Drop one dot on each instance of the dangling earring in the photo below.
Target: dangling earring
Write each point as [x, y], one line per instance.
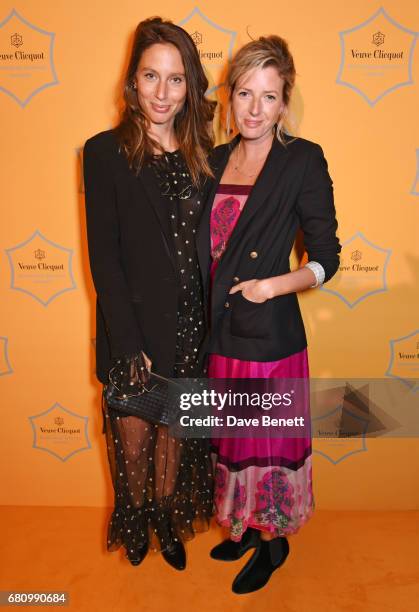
[228, 121]
[279, 125]
[277, 128]
[133, 85]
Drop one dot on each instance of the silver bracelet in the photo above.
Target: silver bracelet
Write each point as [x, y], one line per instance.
[318, 272]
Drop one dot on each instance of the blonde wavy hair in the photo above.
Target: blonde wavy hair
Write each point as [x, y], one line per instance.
[261, 53]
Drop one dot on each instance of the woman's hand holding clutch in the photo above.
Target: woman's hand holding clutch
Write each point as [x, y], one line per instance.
[130, 374]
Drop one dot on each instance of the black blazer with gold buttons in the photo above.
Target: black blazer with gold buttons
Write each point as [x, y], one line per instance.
[293, 190]
[131, 259]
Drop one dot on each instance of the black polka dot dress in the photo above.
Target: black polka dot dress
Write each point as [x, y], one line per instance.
[164, 485]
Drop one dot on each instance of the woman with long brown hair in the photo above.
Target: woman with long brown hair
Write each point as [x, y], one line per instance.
[143, 183]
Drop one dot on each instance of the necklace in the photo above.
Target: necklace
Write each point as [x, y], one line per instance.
[173, 175]
[236, 165]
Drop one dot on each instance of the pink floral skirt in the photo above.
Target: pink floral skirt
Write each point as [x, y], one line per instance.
[265, 483]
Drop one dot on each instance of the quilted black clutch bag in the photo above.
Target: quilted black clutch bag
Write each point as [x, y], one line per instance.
[155, 401]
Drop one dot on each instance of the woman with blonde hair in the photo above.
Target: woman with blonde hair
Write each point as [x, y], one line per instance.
[143, 183]
[267, 186]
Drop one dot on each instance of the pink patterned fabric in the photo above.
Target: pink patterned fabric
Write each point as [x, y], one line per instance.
[228, 204]
[261, 483]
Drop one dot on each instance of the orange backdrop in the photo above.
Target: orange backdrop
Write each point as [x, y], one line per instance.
[61, 66]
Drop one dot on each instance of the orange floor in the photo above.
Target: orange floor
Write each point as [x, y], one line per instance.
[340, 561]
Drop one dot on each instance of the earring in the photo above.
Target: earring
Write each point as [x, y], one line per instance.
[133, 85]
[279, 125]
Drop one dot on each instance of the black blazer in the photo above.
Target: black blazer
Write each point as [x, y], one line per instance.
[131, 259]
[293, 190]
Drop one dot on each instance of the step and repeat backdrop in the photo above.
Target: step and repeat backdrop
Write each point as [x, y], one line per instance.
[357, 94]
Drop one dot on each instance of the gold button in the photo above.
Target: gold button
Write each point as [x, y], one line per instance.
[253, 254]
[227, 304]
[236, 279]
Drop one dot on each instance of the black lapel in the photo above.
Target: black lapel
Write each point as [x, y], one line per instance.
[160, 205]
[268, 177]
[265, 183]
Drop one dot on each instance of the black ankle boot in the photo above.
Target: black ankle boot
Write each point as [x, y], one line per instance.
[135, 556]
[231, 551]
[172, 548]
[268, 557]
[175, 555]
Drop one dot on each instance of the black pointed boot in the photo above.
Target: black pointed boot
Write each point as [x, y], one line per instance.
[231, 551]
[172, 549]
[136, 556]
[268, 557]
[175, 554]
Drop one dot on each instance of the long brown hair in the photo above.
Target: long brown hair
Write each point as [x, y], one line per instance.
[265, 51]
[193, 124]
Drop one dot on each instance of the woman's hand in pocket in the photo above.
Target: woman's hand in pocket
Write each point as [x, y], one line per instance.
[254, 290]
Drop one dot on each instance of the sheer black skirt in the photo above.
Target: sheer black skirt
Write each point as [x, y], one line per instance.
[163, 485]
